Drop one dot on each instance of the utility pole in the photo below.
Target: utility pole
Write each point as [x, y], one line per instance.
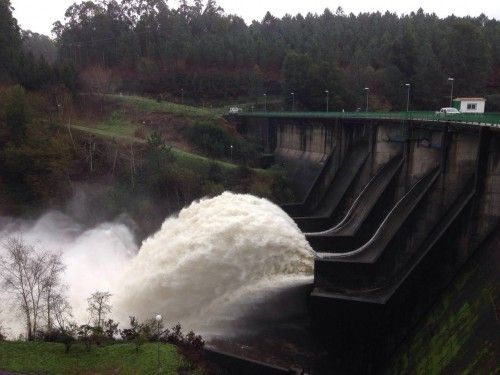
[367, 89]
[452, 80]
[327, 92]
[408, 97]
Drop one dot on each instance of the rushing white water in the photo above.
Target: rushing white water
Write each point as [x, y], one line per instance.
[94, 258]
[207, 267]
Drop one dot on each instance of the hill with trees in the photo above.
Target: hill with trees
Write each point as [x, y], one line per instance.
[198, 51]
[153, 48]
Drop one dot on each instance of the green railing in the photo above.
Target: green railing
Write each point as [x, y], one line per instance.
[489, 119]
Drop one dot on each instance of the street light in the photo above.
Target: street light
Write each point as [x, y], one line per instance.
[265, 102]
[231, 147]
[293, 102]
[327, 92]
[158, 319]
[452, 80]
[408, 97]
[367, 89]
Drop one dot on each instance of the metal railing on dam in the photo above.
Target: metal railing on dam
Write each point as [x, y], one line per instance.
[483, 119]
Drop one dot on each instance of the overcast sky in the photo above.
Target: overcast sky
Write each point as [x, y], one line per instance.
[39, 15]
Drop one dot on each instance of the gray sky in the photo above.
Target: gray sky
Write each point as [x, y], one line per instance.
[39, 15]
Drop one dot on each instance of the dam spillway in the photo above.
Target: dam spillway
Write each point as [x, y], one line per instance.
[393, 207]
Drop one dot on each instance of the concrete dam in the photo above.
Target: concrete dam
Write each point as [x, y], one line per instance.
[394, 209]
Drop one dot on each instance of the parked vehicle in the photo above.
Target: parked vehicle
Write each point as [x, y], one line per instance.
[448, 111]
[234, 110]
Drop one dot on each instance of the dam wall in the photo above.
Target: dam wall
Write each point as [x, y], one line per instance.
[394, 210]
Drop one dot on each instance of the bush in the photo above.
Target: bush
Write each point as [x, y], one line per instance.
[217, 142]
[211, 139]
[137, 333]
[63, 336]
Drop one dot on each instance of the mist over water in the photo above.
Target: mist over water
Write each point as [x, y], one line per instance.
[216, 262]
[94, 258]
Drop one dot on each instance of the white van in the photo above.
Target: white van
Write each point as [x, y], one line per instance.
[448, 111]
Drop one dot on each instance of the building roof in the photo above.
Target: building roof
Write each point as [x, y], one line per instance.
[477, 99]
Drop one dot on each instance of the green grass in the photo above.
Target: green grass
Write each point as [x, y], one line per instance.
[150, 105]
[50, 358]
[116, 125]
[106, 132]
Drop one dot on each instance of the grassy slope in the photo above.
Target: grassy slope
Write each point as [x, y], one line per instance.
[50, 358]
[184, 158]
[149, 105]
[121, 129]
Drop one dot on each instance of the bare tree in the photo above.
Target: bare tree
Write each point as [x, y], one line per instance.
[32, 276]
[99, 306]
[52, 285]
[61, 312]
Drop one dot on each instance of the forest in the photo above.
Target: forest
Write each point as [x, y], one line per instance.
[198, 52]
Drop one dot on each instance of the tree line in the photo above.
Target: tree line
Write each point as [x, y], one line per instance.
[198, 49]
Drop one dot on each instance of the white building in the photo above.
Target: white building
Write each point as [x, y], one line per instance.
[469, 105]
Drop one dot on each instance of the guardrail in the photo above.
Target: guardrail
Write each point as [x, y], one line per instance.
[486, 119]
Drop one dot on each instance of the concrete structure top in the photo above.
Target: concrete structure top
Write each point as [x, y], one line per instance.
[474, 119]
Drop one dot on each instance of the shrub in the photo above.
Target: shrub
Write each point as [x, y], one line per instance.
[211, 139]
[137, 333]
[65, 336]
[217, 141]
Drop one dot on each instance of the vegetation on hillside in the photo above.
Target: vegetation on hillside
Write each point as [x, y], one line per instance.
[148, 164]
[198, 51]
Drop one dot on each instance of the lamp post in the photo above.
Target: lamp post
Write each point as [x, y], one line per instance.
[293, 102]
[408, 97]
[367, 89]
[231, 147]
[452, 80]
[158, 319]
[265, 102]
[327, 92]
